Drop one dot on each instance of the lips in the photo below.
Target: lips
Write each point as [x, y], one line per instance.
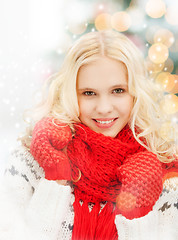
[104, 122]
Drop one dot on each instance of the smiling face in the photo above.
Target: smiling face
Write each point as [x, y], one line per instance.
[104, 101]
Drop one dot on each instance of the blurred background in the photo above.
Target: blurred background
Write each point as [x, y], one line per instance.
[35, 35]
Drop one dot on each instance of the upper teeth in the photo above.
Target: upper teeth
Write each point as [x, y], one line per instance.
[105, 122]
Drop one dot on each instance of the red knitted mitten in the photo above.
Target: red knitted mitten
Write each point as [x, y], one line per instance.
[141, 177]
[49, 137]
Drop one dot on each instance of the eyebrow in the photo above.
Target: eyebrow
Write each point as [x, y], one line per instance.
[120, 85]
[114, 86]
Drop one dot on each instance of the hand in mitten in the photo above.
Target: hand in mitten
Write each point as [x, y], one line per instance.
[141, 178]
[49, 138]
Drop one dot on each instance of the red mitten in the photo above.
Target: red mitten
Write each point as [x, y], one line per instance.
[141, 178]
[49, 137]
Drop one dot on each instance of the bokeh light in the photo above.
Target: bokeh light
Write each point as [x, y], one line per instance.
[168, 65]
[175, 88]
[155, 8]
[165, 81]
[174, 47]
[97, 9]
[171, 15]
[153, 67]
[77, 27]
[126, 201]
[103, 21]
[169, 104]
[174, 120]
[164, 36]
[121, 21]
[167, 131]
[158, 53]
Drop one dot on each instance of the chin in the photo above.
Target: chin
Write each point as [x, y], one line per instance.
[109, 134]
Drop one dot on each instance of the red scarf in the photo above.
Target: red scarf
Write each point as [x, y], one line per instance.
[116, 170]
[98, 157]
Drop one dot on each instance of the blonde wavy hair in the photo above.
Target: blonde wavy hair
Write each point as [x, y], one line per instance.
[61, 98]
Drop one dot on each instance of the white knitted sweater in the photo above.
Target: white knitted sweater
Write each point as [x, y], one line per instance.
[33, 208]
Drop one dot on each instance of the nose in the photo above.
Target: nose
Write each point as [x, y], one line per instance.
[104, 105]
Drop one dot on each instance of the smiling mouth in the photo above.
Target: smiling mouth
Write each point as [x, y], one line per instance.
[106, 121]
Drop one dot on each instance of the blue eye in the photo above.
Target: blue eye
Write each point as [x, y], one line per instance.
[88, 93]
[119, 90]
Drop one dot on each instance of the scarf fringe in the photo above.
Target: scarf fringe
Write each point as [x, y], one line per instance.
[94, 224]
[106, 228]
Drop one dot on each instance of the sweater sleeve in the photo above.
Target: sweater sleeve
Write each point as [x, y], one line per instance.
[159, 224]
[32, 207]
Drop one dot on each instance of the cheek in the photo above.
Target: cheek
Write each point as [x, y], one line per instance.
[126, 106]
[85, 108]
[130, 106]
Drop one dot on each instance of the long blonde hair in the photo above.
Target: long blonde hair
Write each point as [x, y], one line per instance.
[61, 100]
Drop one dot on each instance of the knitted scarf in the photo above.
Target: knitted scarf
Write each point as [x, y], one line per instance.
[110, 175]
[97, 157]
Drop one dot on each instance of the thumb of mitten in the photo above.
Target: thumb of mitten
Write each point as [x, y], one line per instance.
[49, 138]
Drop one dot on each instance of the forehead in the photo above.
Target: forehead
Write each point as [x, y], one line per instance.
[104, 70]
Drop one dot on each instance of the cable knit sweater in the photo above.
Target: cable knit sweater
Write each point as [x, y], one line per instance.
[32, 207]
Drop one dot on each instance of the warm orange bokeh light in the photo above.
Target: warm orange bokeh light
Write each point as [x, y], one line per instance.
[153, 67]
[168, 65]
[158, 53]
[103, 21]
[165, 81]
[167, 131]
[126, 201]
[155, 8]
[175, 88]
[121, 21]
[169, 104]
[164, 36]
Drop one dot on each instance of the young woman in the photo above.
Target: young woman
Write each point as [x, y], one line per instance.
[90, 166]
